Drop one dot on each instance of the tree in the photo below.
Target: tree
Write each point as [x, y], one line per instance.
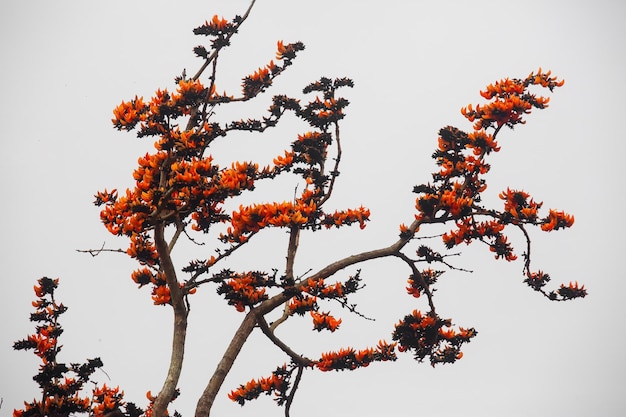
[181, 193]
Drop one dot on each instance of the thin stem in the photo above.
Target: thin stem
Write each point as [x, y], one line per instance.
[292, 394]
[335, 170]
[417, 274]
[96, 252]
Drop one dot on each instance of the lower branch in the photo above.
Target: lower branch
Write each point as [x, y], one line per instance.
[203, 408]
[168, 390]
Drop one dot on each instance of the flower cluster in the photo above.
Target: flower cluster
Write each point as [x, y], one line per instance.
[60, 394]
[277, 384]
[179, 185]
[324, 321]
[538, 280]
[510, 101]
[259, 80]
[160, 291]
[312, 289]
[518, 207]
[61, 384]
[573, 290]
[142, 249]
[430, 336]
[216, 27]
[300, 304]
[469, 230]
[456, 191]
[557, 220]
[245, 289]
[347, 217]
[250, 219]
[350, 359]
[106, 400]
[418, 285]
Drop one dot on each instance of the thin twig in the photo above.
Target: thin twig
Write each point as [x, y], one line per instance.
[96, 252]
[293, 390]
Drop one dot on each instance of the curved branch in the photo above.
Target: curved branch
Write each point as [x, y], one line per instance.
[329, 270]
[419, 276]
[299, 359]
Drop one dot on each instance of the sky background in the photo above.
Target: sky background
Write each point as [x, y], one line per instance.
[66, 65]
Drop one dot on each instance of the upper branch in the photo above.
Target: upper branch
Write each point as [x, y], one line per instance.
[215, 52]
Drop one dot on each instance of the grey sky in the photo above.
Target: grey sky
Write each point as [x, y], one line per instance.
[65, 66]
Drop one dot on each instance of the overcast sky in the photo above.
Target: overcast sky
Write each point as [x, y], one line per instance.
[66, 65]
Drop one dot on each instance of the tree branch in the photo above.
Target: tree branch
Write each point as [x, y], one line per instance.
[180, 324]
[216, 51]
[205, 402]
[417, 274]
[96, 252]
[253, 317]
[299, 359]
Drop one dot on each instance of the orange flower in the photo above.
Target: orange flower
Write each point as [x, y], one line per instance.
[557, 220]
[218, 23]
[127, 114]
[447, 334]
[161, 295]
[502, 248]
[281, 49]
[285, 161]
[324, 321]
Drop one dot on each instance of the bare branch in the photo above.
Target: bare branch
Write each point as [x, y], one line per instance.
[267, 331]
[96, 252]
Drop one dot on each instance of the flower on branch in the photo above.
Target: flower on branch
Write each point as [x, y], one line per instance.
[557, 220]
[517, 206]
[430, 336]
[571, 291]
[416, 284]
[276, 384]
[324, 321]
[245, 289]
[350, 359]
